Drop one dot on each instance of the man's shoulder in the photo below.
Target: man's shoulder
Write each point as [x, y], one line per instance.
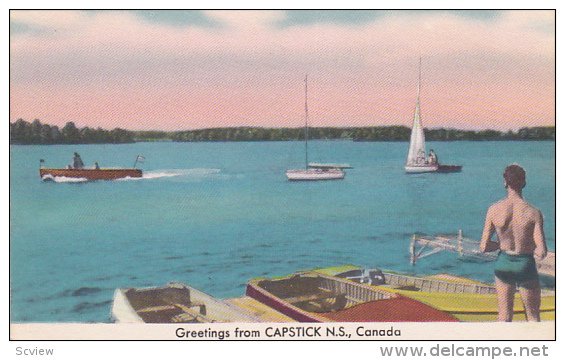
[497, 205]
[532, 209]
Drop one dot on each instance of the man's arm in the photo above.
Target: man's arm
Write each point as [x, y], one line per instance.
[539, 237]
[486, 244]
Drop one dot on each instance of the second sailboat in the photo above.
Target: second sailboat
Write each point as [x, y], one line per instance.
[312, 173]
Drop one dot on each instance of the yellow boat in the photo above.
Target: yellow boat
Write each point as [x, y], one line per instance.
[466, 299]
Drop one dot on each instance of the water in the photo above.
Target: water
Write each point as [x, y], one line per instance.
[214, 215]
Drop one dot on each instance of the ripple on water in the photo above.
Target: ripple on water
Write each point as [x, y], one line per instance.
[105, 278]
[87, 306]
[181, 271]
[387, 265]
[472, 260]
[444, 267]
[83, 291]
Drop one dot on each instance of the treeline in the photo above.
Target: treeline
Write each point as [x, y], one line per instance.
[388, 133]
[23, 132]
[528, 133]
[376, 133]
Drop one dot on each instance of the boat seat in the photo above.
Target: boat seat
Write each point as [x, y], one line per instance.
[313, 297]
[189, 314]
[324, 304]
[153, 309]
[190, 318]
[201, 307]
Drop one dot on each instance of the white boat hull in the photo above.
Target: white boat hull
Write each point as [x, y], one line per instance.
[328, 166]
[122, 312]
[215, 310]
[315, 174]
[414, 169]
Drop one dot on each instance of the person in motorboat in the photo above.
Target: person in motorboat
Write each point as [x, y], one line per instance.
[519, 228]
[96, 166]
[77, 162]
[432, 157]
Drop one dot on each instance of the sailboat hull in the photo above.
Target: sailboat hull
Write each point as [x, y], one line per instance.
[416, 169]
[449, 168]
[328, 166]
[315, 174]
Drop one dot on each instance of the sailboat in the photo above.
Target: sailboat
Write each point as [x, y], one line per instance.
[318, 171]
[417, 161]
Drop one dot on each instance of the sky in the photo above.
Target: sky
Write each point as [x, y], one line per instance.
[178, 70]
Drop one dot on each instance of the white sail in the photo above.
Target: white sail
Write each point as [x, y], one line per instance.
[417, 161]
[417, 150]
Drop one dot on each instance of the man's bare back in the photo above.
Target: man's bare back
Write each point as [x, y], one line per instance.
[518, 226]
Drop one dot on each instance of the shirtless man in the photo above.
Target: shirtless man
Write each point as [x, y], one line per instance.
[519, 228]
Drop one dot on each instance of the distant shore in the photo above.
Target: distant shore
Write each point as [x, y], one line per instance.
[23, 133]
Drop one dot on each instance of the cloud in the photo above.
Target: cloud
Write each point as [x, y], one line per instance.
[256, 32]
[49, 19]
[249, 19]
[250, 60]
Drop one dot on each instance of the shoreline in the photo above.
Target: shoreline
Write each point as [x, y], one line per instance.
[23, 132]
[293, 140]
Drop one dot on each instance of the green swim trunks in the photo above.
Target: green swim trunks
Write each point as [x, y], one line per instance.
[517, 270]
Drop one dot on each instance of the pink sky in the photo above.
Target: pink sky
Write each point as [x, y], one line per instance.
[114, 69]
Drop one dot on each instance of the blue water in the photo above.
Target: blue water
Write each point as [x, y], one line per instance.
[215, 215]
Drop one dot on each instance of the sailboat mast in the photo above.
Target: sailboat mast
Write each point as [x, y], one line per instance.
[306, 118]
[419, 79]
[417, 138]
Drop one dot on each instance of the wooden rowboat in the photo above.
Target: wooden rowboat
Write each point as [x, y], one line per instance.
[90, 174]
[466, 299]
[311, 297]
[173, 303]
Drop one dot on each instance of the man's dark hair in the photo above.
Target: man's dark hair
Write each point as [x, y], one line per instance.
[515, 177]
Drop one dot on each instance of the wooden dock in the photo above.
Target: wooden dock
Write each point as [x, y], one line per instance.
[423, 245]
